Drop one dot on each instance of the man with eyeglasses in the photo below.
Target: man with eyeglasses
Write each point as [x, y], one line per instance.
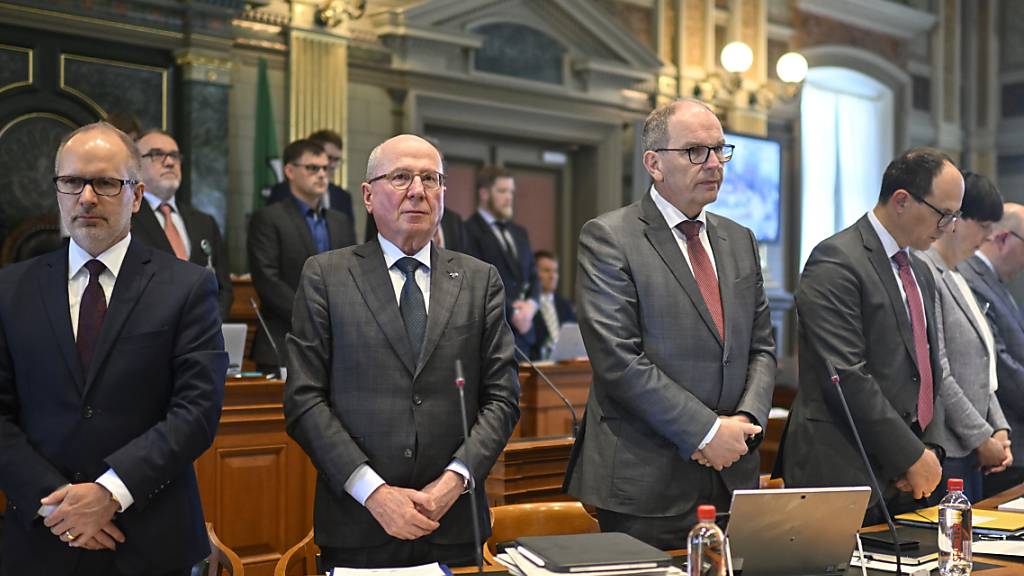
[336, 198]
[866, 306]
[112, 370]
[167, 225]
[672, 309]
[989, 271]
[282, 236]
[371, 393]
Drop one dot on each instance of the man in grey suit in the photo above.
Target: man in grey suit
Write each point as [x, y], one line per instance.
[673, 312]
[976, 434]
[376, 333]
[997, 262]
[868, 308]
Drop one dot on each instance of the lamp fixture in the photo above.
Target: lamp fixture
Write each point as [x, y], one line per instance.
[335, 12]
[736, 58]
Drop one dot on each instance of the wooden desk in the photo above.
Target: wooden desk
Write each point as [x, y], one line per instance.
[543, 413]
[530, 470]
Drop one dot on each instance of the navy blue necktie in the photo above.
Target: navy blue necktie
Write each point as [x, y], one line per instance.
[414, 310]
[90, 314]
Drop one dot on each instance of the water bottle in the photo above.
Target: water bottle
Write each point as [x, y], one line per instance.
[705, 546]
[955, 531]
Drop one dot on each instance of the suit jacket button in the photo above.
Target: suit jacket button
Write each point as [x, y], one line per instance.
[916, 379]
[416, 399]
[407, 453]
[87, 412]
[76, 477]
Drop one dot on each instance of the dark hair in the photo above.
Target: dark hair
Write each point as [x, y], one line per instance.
[914, 171]
[125, 122]
[487, 175]
[544, 254]
[982, 200]
[295, 150]
[326, 137]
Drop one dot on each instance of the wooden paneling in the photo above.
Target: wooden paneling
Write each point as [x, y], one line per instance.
[529, 471]
[543, 413]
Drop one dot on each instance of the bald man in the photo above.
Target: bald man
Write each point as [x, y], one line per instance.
[999, 260]
[376, 332]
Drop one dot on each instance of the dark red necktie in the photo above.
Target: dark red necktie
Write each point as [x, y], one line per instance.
[90, 314]
[925, 407]
[703, 273]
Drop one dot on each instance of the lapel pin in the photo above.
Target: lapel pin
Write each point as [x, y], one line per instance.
[453, 275]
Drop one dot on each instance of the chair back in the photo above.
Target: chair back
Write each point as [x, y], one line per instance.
[303, 558]
[536, 519]
[222, 560]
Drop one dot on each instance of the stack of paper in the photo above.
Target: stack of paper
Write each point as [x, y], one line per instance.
[434, 569]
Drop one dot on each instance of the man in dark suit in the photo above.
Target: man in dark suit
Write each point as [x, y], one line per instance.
[371, 395]
[449, 234]
[112, 371]
[553, 309]
[868, 307]
[493, 237]
[283, 236]
[674, 316]
[337, 198]
[179, 229]
[999, 260]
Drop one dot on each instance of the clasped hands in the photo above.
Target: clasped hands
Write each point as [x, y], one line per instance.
[522, 315]
[729, 443]
[84, 516]
[409, 514]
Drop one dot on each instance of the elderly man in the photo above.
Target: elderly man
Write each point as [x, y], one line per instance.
[867, 307]
[111, 381]
[999, 260]
[180, 229]
[376, 334]
[674, 316]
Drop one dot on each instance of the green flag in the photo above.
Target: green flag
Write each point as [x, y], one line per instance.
[264, 152]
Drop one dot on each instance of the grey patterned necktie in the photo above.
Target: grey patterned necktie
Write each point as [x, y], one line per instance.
[414, 310]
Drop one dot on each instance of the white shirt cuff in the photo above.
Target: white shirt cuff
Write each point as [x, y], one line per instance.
[111, 481]
[710, 435]
[362, 483]
[461, 469]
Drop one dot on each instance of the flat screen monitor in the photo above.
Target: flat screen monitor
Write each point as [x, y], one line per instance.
[751, 190]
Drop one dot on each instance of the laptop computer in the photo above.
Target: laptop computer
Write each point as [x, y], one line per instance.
[234, 344]
[569, 345]
[795, 531]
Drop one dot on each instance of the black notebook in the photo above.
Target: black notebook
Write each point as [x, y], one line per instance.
[592, 552]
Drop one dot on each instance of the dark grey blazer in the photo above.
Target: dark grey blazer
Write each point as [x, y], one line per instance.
[1008, 330]
[279, 244]
[851, 313]
[356, 393]
[972, 409]
[661, 373]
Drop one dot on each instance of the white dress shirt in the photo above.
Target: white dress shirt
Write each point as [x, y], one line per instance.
[504, 236]
[891, 248]
[78, 279]
[364, 480]
[673, 216]
[155, 202]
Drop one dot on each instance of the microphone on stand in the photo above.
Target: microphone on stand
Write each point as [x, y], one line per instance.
[204, 244]
[282, 372]
[460, 383]
[568, 405]
[834, 380]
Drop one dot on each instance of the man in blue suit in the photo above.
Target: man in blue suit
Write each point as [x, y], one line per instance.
[112, 371]
[553, 308]
[997, 262]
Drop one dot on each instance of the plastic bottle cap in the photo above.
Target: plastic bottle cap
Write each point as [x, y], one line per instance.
[706, 513]
[955, 485]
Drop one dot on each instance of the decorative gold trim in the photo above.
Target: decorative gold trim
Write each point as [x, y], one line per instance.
[90, 20]
[190, 59]
[49, 115]
[28, 82]
[99, 109]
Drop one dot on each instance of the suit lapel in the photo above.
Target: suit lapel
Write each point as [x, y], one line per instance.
[149, 227]
[334, 231]
[195, 236]
[726, 268]
[445, 284]
[664, 242]
[374, 283]
[299, 224]
[927, 289]
[961, 301]
[883, 267]
[135, 274]
[53, 284]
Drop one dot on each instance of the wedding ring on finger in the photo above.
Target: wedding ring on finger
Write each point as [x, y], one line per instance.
[71, 537]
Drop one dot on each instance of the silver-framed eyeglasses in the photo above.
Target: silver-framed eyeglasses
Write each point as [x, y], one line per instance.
[700, 154]
[401, 179]
[102, 186]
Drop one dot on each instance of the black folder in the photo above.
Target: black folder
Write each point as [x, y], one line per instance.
[593, 552]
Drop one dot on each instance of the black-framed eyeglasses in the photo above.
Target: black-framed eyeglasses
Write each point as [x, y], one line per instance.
[312, 169]
[401, 179]
[102, 186]
[945, 218]
[334, 160]
[700, 154]
[1019, 237]
[160, 156]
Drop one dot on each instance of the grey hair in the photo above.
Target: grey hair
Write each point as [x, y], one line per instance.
[134, 159]
[655, 134]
